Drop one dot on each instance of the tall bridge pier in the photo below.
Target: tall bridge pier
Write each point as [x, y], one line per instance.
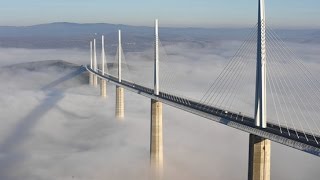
[103, 88]
[259, 158]
[119, 90]
[260, 148]
[119, 102]
[156, 136]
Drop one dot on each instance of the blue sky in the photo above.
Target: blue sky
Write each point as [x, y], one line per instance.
[178, 13]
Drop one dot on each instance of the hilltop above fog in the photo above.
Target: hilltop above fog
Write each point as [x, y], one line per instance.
[41, 66]
[42, 74]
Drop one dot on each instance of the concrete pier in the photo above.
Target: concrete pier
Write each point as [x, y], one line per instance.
[90, 78]
[95, 80]
[103, 88]
[156, 139]
[259, 158]
[119, 102]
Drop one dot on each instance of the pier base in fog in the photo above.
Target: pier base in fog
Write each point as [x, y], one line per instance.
[119, 102]
[91, 79]
[103, 88]
[95, 80]
[259, 158]
[156, 141]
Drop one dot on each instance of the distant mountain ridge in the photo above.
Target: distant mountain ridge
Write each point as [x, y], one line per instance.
[75, 35]
[63, 29]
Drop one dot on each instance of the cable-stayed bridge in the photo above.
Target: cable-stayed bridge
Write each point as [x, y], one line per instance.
[288, 136]
[282, 83]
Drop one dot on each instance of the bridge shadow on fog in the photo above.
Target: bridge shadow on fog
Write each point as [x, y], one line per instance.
[22, 129]
[9, 154]
[64, 78]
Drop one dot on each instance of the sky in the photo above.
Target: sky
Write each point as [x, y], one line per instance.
[173, 13]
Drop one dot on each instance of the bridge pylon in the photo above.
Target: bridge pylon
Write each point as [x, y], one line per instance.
[156, 136]
[95, 68]
[91, 64]
[119, 90]
[260, 148]
[103, 82]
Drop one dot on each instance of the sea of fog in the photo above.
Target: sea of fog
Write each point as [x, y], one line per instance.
[67, 131]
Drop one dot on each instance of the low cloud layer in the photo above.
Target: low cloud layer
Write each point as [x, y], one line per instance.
[69, 132]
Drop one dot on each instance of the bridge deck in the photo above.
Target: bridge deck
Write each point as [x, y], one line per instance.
[296, 139]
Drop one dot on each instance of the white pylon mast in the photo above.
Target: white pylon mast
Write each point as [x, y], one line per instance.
[156, 59]
[102, 55]
[119, 56]
[261, 96]
[94, 55]
[91, 59]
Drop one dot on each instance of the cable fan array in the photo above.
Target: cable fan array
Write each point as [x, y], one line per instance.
[292, 91]
[293, 95]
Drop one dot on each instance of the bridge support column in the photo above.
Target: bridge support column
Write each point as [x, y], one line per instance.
[259, 158]
[90, 78]
[119, 102]
[103, 88]
[156, 141]
[95, 80]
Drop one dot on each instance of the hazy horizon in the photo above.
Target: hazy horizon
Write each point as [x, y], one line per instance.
[203, 13]
[150, 25]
